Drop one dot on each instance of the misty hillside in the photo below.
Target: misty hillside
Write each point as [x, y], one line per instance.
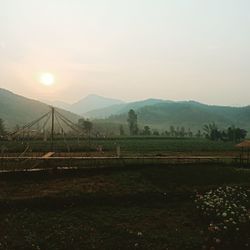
[92, 102]
[159, 114]
[188, 114]
[121, 108]
[16, 109]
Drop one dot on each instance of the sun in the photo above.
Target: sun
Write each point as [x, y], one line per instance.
[47, 79]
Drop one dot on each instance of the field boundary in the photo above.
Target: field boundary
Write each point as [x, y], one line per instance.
[44, 163]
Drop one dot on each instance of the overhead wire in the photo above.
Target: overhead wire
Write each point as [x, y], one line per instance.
[69, 123]
[61, 127]
[29, 125]
[80, 129]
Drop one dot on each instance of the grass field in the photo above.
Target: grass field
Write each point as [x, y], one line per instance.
[140, 208]
[130, 145]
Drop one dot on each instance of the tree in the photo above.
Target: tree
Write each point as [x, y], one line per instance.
[86, 125]
[2, 127]
[172, 131]
[230, 134]
[212, 132]
[236, 134]
[198, 134]
[132, 122]
[121, 129]
[182, 132]
[167, 133]
[146, 130]
[177, 132]
[190, 133]
[156, 133]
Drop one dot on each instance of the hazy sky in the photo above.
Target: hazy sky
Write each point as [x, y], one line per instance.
[127, 49]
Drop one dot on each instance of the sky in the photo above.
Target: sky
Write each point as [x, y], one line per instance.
[130, 50]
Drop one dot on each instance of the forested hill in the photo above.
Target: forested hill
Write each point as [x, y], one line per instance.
[19, 110]
[189, 114]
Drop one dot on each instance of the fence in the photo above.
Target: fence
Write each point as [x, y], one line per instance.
[13, 163]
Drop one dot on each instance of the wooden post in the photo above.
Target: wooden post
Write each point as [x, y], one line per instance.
[247, 156]
[118, 151]
[52, 127]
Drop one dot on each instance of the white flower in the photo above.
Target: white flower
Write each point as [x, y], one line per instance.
[218, 241]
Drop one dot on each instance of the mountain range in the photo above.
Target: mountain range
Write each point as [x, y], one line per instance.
[189, 114]
[157, 113]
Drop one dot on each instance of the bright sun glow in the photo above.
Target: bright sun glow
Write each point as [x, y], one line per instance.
[47, 79]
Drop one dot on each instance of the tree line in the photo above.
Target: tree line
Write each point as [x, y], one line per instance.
[147, 131]
[232, 133]
[210, 131]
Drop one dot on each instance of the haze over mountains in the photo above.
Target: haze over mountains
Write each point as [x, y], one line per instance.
[157, 113]
[86, 104]
[189, 114]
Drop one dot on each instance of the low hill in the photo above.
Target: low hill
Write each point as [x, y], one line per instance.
[19, 110]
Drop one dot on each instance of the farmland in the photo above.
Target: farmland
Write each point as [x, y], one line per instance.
[129, 145]
[133, 207]
[139, 208]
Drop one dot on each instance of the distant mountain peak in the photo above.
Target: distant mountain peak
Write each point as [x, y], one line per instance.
[92, 102]
[95, 96]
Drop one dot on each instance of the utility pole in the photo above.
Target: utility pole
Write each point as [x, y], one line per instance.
[52, 128]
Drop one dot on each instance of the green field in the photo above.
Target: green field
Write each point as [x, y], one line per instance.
[129, 145]
[111, 209]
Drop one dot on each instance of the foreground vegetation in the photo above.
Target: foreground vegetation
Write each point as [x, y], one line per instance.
[129, 145]
[136, 208]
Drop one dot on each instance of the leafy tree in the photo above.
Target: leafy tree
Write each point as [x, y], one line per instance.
[132, 122]
[146, 130]
[177, 132]
[167, 133]
[172, 131]
[236, 134]
[182, 132]
[230, 134]
[156, 133]
[212, 132]
[2, 127]
[198, 134]
[86, 125]
[190, 133]
[121, 129]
